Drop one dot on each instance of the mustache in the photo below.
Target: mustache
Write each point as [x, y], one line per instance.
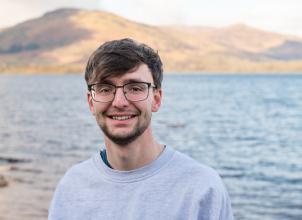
[126, 112]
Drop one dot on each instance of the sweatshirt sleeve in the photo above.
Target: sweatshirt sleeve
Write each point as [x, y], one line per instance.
[215, 205]
[56, 210]
[63, 199]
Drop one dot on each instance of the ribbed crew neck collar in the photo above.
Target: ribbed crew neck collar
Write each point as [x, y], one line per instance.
[136, 174]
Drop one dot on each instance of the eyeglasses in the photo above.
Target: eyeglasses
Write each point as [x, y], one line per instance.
[134, 91]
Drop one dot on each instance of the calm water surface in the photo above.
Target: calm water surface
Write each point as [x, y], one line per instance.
[249, 128]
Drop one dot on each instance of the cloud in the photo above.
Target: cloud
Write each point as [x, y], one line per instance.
[13, 11]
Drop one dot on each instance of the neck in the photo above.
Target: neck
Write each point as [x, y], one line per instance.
[136, 154]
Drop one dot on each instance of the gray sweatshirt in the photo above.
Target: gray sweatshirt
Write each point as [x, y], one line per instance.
[173, 186]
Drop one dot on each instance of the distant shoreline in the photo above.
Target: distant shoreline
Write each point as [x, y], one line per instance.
[62, 40]
[56, 70]
[25, 72]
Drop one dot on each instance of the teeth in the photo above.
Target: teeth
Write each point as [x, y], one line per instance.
[120, 118]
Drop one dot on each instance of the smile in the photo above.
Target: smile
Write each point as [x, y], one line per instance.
[122, 118]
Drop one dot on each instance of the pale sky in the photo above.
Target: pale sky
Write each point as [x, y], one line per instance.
[283, 16]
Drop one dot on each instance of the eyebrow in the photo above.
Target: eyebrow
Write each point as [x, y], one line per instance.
[107, 81]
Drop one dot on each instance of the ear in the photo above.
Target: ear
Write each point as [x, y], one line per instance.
[157, 97]
[90, 103]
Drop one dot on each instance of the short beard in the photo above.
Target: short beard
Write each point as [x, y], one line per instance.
[125, 140]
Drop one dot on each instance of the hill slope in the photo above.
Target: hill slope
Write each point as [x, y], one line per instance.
[62, 41]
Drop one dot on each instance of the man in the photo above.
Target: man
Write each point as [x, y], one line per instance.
[134, 177]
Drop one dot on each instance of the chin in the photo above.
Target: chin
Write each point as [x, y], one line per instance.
[124, 138]
[122, 141]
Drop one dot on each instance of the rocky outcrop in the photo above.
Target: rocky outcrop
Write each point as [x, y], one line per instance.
[3, 181]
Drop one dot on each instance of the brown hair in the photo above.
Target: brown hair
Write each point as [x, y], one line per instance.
[117, 57]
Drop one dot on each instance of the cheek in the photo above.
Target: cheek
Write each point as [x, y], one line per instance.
[99, 109]
[149, 106]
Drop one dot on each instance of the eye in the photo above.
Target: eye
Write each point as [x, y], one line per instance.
[136, 88]
[104, 89]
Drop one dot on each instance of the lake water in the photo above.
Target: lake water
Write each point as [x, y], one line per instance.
[249, 128]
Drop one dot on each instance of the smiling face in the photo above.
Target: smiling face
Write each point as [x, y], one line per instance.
[123, 121]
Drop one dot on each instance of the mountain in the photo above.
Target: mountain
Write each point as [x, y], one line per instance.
[62, 40]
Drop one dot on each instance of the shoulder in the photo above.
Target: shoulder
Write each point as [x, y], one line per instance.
[192, 166]
[77, 177]
[203, 183]
[78, 173]
[195, 173]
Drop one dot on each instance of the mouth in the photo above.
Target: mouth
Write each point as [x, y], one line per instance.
[121, 117]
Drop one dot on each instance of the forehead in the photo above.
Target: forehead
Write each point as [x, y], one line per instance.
[141, 73]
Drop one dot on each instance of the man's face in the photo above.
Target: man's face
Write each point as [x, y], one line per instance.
[123, 121]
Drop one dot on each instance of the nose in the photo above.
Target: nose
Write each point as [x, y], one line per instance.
[120, 99]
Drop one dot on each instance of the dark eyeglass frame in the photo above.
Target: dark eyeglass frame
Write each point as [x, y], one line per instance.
[90, 88]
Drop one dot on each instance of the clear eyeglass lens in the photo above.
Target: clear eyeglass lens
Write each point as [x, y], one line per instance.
[132, 91]
[105, 90]
[136, 91]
